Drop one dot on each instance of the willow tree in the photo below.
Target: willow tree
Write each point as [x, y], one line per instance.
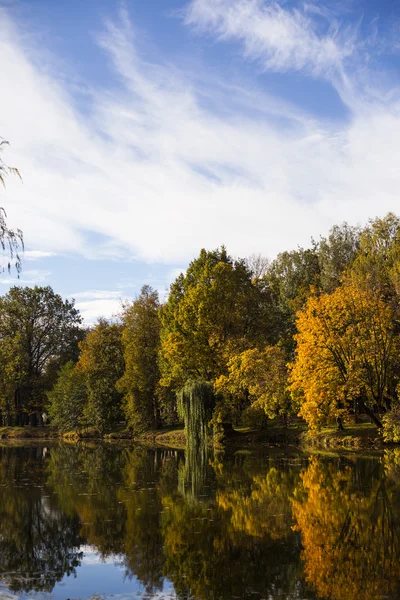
[196, 401]
[11, 240]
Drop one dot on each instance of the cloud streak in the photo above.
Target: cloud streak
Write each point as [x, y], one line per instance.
[156, 173]
[281, 39]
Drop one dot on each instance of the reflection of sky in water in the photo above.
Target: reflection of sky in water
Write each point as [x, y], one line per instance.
[96, 577]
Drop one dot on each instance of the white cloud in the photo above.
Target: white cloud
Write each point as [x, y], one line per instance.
[159, 176]
[36, 254]
[280, 38]
[28, 277]
[93, 304]
[91, 310]
[97, 295]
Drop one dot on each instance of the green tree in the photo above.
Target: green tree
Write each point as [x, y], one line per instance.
[290, 279]
[377, 265]
[102, 365]
[37, 327]
[68, 398]
[261, 377]
[213, 312]
[336, 254]
[141, 341]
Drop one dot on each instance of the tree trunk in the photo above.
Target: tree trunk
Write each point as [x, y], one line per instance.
[371, 414]
[356, 419]
[339, 423]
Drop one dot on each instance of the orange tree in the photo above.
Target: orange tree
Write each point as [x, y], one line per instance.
[346, 351]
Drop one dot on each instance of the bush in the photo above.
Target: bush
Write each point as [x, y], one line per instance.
[391, 425]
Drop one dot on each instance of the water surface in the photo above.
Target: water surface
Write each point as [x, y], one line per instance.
[79, 522]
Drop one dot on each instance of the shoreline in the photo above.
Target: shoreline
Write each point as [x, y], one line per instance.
[355, 437]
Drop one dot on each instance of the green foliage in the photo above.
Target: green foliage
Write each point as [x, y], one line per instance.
[336, 254]
[196, 401]
[213, 311]
[68, 398]
[141, 340]
[38, 328]
[102, 365]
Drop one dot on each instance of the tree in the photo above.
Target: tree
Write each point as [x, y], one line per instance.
[261, 377]
[336, 254]
[213, 311]
[258, 265]
[378, 262]
[68, 399]
[346, 352]
[102, 365]
[11, 240]
[141, 341]
[37, 327]
[291, 278]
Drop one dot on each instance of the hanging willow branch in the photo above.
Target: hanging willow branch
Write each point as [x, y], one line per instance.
[196, 401]
[11, 240]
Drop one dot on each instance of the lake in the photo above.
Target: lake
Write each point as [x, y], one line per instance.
[101, 521]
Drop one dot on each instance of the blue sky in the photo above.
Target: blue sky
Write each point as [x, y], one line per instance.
[147, 129]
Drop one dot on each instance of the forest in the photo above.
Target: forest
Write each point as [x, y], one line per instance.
[313, 333]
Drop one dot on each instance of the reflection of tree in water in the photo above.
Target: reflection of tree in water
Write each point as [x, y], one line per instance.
[195, 404]
[350, 535]
[39, 544]
[208, 557]
[234, 529]
[143, 540]
[193, 471]
[86, 480]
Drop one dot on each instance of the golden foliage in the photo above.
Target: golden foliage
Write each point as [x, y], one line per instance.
[350, 538]
[345, 348]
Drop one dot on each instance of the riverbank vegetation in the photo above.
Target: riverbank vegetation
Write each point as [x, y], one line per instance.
[314, 333]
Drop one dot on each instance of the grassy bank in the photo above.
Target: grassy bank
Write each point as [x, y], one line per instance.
[354, 437]
[359, 436]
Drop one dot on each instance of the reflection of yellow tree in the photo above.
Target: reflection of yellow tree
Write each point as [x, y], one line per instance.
[266, 510]
[351, 545]
[213, 550]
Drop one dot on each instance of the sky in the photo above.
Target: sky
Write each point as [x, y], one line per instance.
[145, 130]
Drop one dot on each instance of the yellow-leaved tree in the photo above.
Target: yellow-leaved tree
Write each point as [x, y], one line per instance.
[259, 377]
[346, 354]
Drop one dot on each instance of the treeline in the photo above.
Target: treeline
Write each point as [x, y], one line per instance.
[314, 332]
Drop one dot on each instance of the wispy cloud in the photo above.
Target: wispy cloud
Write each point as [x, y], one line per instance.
[160, 173]
[281, 39]
[37, 254]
